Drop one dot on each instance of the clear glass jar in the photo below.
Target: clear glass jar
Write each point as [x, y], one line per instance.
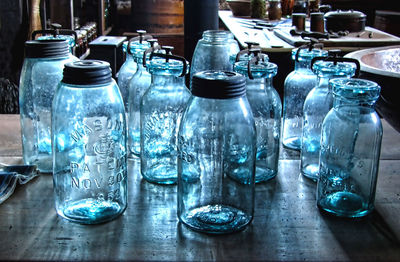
[317, 104]
[138, 85]
[266, 106]
[161, 110]
[129, 67]
[217, 150]
[41, 72]
[296, 87]
[213, 52]
[350, 148]
[89, 144]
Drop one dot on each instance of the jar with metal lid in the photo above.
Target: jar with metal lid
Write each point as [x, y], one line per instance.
[318, 103]
[350, 148]
[138, 85]
[217, 150]
[89, 144]
[41, 72]
[129, 67]
[246, 54]
[213, 52]
[266, 106]
[56, 32]
[161, 109]
[297, 85]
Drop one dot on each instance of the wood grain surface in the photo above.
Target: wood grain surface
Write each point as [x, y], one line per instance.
[287, 224]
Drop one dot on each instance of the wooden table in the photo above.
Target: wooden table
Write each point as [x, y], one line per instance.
[287, 224]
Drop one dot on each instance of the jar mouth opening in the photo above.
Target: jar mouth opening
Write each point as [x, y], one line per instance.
[355, 89]
[324, 68]
[260, 70]
[217, 35]
[306, 55]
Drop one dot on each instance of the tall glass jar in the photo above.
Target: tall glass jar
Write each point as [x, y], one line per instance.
[266, 106]
[217, 150]
[89, 144]
[296, 87]
[317, 104]
[129, 67]
[350, 148]
[213, 52]
[161, 110]
[138, 85]
[41, 72]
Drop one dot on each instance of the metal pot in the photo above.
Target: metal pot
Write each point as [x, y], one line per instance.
[352, 21]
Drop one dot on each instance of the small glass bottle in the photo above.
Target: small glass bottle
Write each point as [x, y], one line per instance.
[213, 52]
[129, 67]
[296, 87]
[89, 144]
[41, 72]
[317, 104]
[266, 106]
[161, 110]
[217, 150]
[350, 148]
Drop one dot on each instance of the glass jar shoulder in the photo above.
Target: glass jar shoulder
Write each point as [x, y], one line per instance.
[170, 96]
[205, 115]
[318, 100]
[74, 98]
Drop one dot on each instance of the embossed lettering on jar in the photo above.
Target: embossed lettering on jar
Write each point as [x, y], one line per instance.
[350, 148]
[161, 110]
[89, 144]
[296, 87]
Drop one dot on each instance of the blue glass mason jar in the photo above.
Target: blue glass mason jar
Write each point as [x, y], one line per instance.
[217, 152]
[89, 144]
[317, 104]
[161, 110]
[41, 72]
[296, 87]
[138, 85]
[129, 67]
[350, 149]
[266, 106]
[213, 52]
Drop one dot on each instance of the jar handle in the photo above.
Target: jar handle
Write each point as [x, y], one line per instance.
[171, 56]
[334, 57]
[314, 43]
[55, 32]
[142, 36]
[150, 50]
[258, 56]
[247, 50]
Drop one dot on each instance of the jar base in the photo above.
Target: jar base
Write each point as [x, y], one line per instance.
[264, 174]
[91, 211]
[293, 143]
[161, 174]
[344, 204]
[311, 171]
[216, 219]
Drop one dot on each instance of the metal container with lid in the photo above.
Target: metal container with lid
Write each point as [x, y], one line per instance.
[352, 21]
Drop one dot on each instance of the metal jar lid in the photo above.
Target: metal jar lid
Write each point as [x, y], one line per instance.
[218, 84]
[87, 72]
[46, 48]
